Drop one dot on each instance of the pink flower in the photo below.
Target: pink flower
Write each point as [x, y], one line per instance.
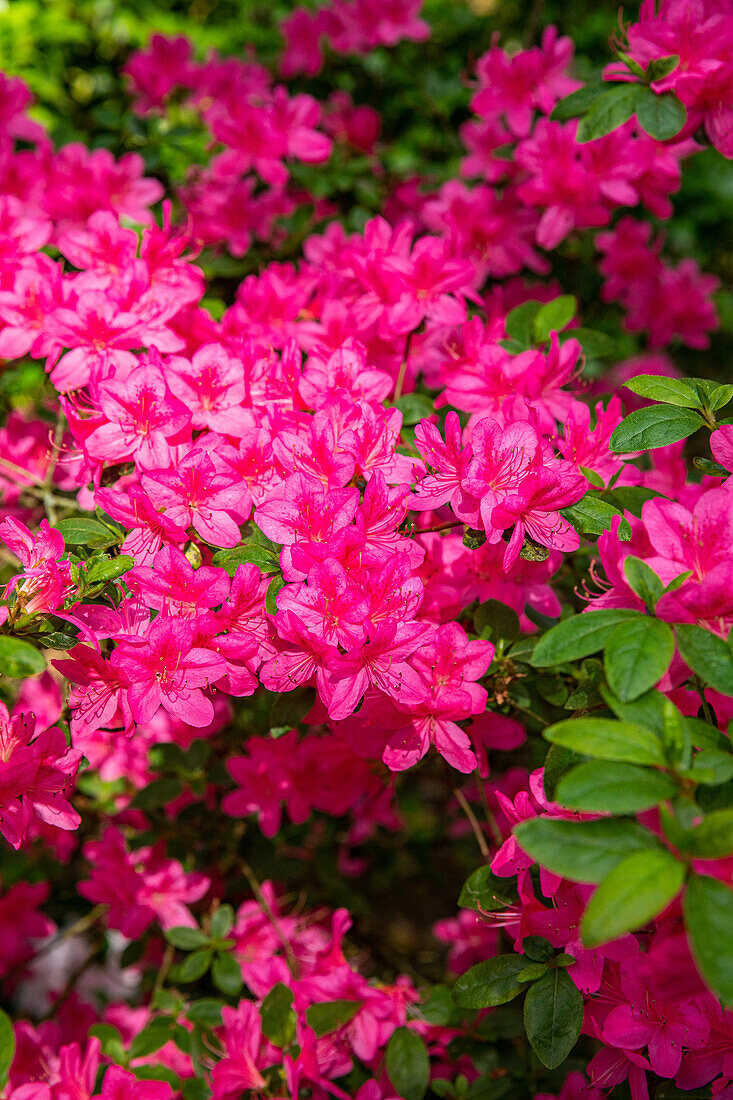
[237, 1071]
[35, 776]
[46, 579]
[195, 495]
[165, 669]
[381, 662]
[211, 385]
[143, 419]
[141, 886]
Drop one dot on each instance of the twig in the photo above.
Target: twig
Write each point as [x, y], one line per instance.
[257, 891]
[490, 818]
[438, 527]
[477, 831]
[164, 968]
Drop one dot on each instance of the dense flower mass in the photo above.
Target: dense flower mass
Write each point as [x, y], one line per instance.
[304, 566]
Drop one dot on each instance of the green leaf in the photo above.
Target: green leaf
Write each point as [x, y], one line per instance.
[654, 426]
[502, 621]
[532, 972]
[537, 948]
[206, 1011]
[582, 851]
[290, 707]
[157, 794]
[707, 655]
[662, 66]
[670, 391]
[279, 1022]
[273, 588]
[599, 787]
[492, 982]
[226, 973]
[708, 909]
[415, 407]
[610, 110]
[716, 765]
[407, 1064]
[553, 1017]
[608, 740]
[662, 116]
[195, 1088]
[19, 659]
[643, 580]
[706, 466]
[592, 516]
[558, 762]
[596, 345]
[151, 1038]
[578, 102]
[328, 1016]
[579, 636]
[636, 657]
[7, 1047]
[80, 531]
[250, 554]
[111, 1041]
[110, 569]
[485, 892]
[554, 316]
[187, 939]
[222, 922]
[713, 837]
[632, 498]
[195, 966]
[637, 890]
[520, 322]
[720, 397]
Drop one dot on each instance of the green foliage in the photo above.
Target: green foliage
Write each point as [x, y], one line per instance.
[407, 1064]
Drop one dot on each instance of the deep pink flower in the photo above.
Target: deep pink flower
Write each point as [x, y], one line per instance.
[164, 668]
[195, 495]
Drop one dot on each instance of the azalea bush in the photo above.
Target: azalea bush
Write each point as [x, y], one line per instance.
[367, 552]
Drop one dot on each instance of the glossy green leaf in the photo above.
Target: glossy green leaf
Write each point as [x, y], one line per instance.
[279, 1022]
[226, 973]
[600, 786]
[592, 516]
[670, 391]
[583, 851]
[708, 909]
[611, 109]
[19, 659]
[637, 655]
[713, 837]
[484, 891]
[579, 636]
[7, 1047]
[662, 116]
[328, 1016]
[637, 890]
[608, 739]
[187, 939]
[554, 316]
[553, 1017]
[81, 531]
[492, 982]
[654, 426]
[407, 1064]
[707, 655]
[109, 570]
